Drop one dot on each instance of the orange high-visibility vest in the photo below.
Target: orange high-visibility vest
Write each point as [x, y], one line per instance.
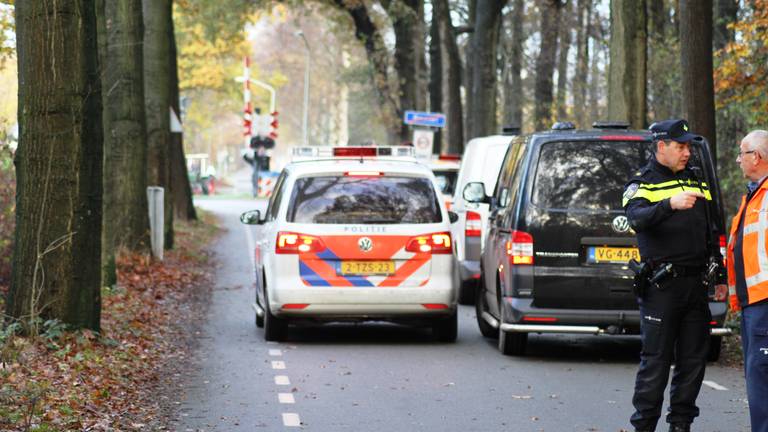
[754, 248]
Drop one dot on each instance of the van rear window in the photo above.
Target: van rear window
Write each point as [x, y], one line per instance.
[588, 175]
[364, 200]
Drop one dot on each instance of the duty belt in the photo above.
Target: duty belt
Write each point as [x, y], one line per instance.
[683, 270]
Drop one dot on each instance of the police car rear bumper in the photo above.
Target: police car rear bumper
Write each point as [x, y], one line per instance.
[430, 300]
[524, 318]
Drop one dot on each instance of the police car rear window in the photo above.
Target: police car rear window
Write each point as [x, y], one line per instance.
[586, 175]
[361, 200]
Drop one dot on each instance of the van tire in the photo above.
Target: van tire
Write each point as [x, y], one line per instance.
[480, 306]
[467, 291]
[446, 329]
[715, 346]
[274, 327]
[511, 343]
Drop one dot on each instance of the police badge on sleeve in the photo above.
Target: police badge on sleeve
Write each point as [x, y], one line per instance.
[631, 190]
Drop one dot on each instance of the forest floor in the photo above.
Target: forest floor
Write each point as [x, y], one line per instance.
[123, 377]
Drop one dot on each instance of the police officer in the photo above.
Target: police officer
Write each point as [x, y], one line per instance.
[666, 205]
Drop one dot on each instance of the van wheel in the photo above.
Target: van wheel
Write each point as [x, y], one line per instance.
[715, 346]
[466, 288]
[480, 306]
[446, 329]
[274, 327]
[511, 343]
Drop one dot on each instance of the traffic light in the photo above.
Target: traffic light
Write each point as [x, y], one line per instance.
[273, 123]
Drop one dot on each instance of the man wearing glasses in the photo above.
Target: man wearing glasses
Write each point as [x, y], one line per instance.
[748, 273]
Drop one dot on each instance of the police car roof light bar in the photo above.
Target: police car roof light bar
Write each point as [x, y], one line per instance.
[352, 152]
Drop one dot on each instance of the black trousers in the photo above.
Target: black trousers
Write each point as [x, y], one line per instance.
[674, 321]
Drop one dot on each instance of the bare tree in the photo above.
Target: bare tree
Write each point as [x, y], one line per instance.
[513, 82]
[564, 46]
[183, 206]
[545, 63]
[580, 83]
[454, 130]
[157, 92]
[696, 60]
[482, 117]
[57, 258]
[125, 221]
[627, 74]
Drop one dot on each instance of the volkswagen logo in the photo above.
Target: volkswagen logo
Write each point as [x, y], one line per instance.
[620, 224]
[365, 244]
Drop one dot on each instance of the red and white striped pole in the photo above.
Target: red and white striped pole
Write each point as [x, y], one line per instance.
[248, 111]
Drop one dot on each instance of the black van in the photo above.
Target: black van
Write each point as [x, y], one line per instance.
[558, 242]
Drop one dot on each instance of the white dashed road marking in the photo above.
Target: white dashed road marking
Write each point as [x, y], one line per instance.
[282, 380]
[291, 419]
[275, 352]
[286, 398]
[714, 385]
[277, 364]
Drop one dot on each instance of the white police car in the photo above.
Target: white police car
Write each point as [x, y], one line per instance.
[354, 234]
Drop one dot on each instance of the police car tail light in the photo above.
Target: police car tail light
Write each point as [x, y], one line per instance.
[520, 248]
[294, 243]
[437, 243]
[473, 226]
[354, 151]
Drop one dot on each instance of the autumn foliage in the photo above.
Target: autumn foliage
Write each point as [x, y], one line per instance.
[110, 381]
[743, 72]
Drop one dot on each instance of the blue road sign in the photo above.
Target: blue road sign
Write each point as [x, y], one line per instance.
[420, 118]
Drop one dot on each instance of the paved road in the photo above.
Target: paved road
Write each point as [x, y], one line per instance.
[390, 378]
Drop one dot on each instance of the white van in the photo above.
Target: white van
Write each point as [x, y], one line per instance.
[481, 163]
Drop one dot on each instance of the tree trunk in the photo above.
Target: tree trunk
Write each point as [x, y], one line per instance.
[696, 62]
[545, 63]
[485, 42]
[564, 45]
[157, 76]
[184, 208]
[657, 18]
[126, 223]
[57, 258]
[728, 120]
[627, 72]
[435, 71]
[454, 129]
[367, 33]
[513, 92]
[583, 30]
[470, 60]
[407, 23]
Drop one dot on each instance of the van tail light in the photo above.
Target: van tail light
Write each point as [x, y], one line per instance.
[520, 248]
[294, 243]
[437, 243]
[473, 226]
[723, 245]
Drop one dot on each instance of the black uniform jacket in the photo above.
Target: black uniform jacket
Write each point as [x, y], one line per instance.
[665, 235]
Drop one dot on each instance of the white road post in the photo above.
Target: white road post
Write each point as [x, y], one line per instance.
[155, 196]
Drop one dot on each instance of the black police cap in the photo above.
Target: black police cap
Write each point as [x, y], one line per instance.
[675, 130]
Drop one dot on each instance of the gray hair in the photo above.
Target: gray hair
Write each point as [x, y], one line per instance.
[758, 140]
